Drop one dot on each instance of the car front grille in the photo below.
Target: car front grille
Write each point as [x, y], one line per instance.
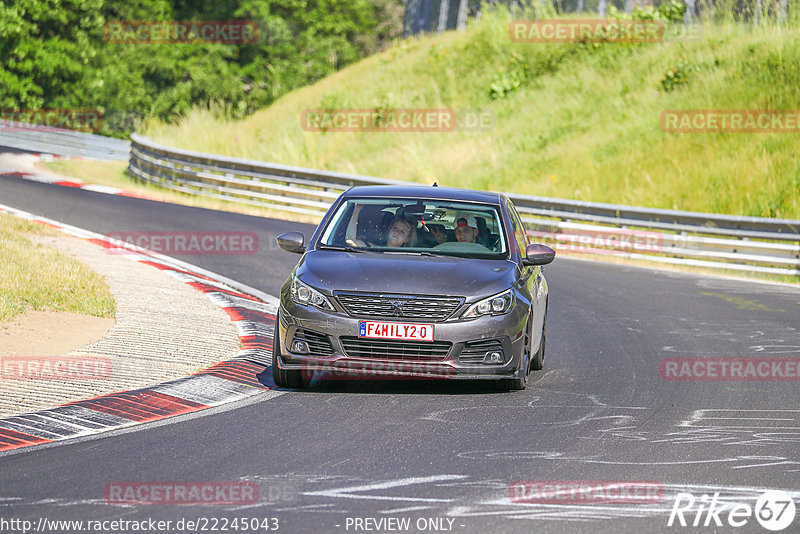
[417, 351]
[318, 344]
[474, 351]
[398, 306]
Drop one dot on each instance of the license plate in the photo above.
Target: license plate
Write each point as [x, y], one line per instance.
[381, 330]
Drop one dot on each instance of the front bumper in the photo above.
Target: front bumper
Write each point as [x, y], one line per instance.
[296, 322]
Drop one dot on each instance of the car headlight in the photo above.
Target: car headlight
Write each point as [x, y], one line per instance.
[305, 295]
[494, 305]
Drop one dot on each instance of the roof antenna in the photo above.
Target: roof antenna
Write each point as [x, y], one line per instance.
[435, 184]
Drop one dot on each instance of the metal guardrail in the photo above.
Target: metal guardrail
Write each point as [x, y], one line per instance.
[755, 244]
[58, 141]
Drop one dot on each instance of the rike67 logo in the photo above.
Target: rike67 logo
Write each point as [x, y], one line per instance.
[774, 510]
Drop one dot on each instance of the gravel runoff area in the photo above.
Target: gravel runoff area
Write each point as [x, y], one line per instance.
[164, 329]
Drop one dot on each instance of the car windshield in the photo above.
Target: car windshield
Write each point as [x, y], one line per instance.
[417, 226]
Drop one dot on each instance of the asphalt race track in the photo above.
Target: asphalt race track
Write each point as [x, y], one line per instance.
[443, 455]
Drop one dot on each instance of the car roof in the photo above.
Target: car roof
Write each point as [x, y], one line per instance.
[421, 191]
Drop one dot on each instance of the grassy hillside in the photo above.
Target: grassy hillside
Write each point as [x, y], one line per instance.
[579, 121]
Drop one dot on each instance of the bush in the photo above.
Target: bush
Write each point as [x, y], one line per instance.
[53, 55]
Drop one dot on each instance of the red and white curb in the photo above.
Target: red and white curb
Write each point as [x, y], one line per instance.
[243, 376]
[49, 157]
[72, 182]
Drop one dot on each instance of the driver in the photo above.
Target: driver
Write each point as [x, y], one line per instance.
[466, 228]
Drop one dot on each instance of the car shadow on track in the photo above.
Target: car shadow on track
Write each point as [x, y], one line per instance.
[371, 385]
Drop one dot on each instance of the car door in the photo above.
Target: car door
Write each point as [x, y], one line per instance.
[531, 277]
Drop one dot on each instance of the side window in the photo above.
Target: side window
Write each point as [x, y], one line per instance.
[520, 236]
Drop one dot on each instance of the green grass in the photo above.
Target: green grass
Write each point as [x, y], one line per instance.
[37, 277]
[582, 124]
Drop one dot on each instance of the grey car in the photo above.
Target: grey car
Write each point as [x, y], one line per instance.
[413, 282]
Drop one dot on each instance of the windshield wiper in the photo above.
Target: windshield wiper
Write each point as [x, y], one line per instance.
[421, 253]
[348, 249]
[343, 249]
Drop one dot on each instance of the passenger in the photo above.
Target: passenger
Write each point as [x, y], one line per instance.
[399, 233]
[466, 228]
[483, 232]
[438, 231]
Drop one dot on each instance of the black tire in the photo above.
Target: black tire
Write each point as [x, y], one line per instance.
[537, 362]
[284, 378]
[518, 384]
[514, 384]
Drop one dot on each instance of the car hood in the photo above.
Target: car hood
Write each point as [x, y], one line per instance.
[331, 271]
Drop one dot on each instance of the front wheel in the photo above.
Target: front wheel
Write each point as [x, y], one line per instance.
[284, 378]
[537, 362]
[514, 384]
[518, 384]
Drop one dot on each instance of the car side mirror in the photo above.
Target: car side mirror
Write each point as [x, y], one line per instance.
[292, 242]
[537, 254]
